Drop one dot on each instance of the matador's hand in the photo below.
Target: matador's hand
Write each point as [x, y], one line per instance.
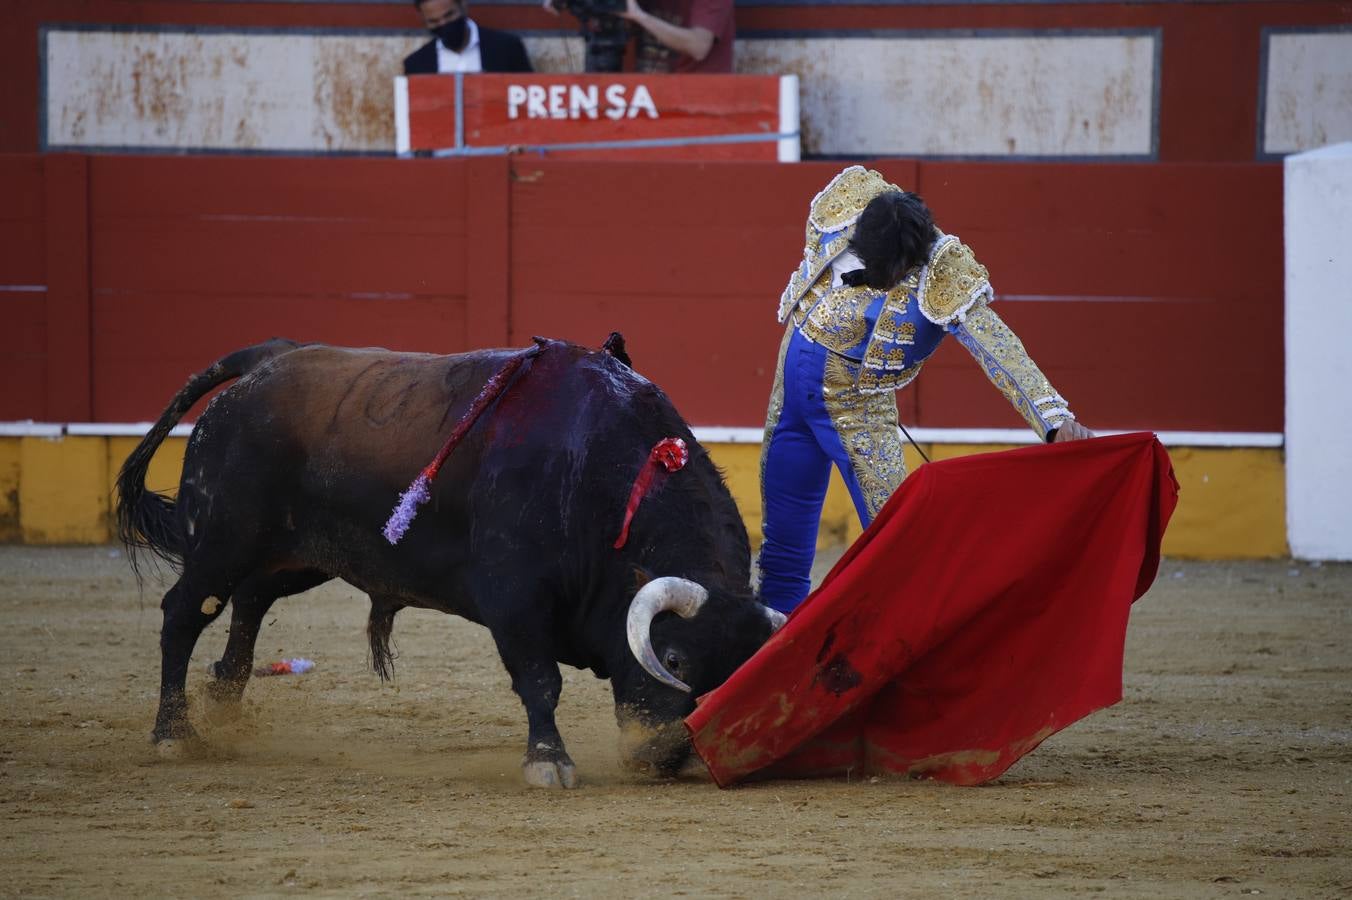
[1071, 430]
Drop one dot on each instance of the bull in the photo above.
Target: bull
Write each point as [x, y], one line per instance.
[291, 470]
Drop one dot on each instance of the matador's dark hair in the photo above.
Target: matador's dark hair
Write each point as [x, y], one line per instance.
[893, 236]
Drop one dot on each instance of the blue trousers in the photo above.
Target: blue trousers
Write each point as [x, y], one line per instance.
[816, 419]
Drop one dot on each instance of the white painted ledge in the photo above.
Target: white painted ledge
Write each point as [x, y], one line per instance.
[30, 429]
[720, 435]
[85, 429]
[714, 434]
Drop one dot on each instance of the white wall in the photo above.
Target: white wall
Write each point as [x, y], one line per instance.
[1318, 214]
[917, 93]
[221, 90]
[995, 93]
[1002, 95]
[1308, 90]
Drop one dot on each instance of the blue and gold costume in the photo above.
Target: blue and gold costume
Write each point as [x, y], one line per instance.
[846, 350]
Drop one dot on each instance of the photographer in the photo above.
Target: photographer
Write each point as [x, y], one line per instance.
[692, 37]
[682, 36]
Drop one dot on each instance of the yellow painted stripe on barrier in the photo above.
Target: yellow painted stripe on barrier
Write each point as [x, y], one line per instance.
[10, 467]
[1232, 506]
[63, 490]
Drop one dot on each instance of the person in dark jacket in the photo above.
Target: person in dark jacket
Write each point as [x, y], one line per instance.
[462, 45]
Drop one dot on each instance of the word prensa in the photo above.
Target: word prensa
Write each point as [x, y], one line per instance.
[578, 101]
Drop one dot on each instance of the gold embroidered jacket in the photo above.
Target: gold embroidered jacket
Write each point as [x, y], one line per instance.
[890, 334]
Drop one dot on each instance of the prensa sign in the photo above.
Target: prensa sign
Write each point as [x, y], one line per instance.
[745, 117]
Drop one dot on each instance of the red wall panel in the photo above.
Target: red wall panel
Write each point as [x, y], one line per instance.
[305, 226]
[23, 280]
[1150, 294]
[23, 296]
[21, 219]
[688, 260]
[1133, 286]
[147, 346]
[194, 257]
[23, 356]
[66, 224]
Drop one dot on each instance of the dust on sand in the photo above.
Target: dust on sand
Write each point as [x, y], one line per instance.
[1225, 770]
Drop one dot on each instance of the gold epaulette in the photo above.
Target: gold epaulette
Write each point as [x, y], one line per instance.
[844, 198]
[951, 282]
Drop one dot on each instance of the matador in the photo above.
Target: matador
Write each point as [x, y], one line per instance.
[878, 288]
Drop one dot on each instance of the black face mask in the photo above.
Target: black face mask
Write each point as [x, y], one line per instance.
[452, 34]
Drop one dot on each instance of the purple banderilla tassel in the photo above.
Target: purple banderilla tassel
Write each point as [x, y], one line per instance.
[419, 492]
[409, 501]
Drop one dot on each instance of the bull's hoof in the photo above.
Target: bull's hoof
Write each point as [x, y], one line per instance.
[550, 774]
[174, 737]
[549, 767]
[176, 748]
[223, 691]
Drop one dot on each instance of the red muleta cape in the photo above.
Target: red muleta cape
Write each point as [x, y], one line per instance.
[984, 610]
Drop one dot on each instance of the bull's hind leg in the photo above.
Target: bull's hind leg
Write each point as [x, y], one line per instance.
[188, 609]
[248, 605]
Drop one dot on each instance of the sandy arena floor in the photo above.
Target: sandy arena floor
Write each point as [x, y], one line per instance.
[1225, 771]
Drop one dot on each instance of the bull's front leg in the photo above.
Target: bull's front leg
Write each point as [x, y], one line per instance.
[536, 680]
[517, 610]
[538, 683]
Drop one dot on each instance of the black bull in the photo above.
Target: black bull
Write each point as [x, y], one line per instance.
[291, 472]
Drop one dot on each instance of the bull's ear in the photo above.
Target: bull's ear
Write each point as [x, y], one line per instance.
[641, 577]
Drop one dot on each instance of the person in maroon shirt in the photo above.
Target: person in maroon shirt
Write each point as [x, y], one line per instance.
[683, 36]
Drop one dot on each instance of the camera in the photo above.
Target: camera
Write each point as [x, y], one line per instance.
[604, 33]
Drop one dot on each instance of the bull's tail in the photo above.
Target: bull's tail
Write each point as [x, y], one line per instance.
[145, 519]
[378, 628]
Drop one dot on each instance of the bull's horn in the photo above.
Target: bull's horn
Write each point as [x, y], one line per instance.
[777, 618]
[678, 595]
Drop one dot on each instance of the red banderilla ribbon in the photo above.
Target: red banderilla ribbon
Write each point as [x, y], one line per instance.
[419, 492]
[667, 455]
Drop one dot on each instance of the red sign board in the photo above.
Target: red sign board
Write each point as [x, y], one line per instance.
[745, 117]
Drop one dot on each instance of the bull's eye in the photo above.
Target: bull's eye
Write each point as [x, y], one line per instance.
[673, 661]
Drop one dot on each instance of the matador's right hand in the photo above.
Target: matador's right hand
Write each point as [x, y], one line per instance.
[1070, 430]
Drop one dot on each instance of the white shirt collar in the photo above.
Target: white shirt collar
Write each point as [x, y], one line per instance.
[845, 262]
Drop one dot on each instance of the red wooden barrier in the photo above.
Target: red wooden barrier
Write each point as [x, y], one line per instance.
[1131, 285]
[23, 293]
[687, 260]
[1151, 295]
[68, 309]
[193, 257]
